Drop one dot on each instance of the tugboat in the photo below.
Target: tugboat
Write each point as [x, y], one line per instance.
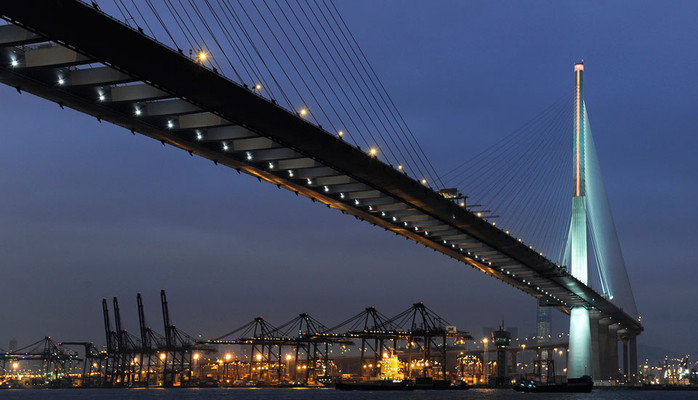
[573, 385]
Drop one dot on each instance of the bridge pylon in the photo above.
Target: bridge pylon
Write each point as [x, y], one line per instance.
[580, 360]
[593, 342]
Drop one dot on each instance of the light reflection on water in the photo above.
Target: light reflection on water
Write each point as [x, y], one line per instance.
[330, 394]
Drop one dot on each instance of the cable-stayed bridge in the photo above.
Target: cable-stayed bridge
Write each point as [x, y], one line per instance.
[298, 133]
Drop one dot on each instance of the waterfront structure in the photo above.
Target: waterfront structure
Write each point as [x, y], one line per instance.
[501, 339]
[543, 324]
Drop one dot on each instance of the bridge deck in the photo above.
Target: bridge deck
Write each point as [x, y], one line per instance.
[148, 88]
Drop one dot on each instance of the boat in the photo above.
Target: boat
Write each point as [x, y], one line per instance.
[573, 385]
[418, 384]
[437, 384]
[375, 385]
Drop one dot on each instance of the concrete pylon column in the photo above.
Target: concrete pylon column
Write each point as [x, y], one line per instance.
[632, 356]
[594, 317]
[579, 356]
[613, 351]
[624, 339]
[604, 372]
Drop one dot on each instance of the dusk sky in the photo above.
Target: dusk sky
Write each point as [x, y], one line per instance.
[89, 211]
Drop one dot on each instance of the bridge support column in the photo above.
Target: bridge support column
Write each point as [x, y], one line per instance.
[594, 317]
[624, 339]
[579, 358]
[613, 351]
[604, 352]
[632, 356]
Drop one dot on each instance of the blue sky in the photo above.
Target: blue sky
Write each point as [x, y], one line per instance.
[90, 211]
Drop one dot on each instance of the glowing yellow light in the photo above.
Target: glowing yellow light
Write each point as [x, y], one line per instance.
[227, 357]
[399, 167]
[15, 365]
[196, 356]
[479, 214]
[304, 112]
[258, 86]
[424, 181]
[201, 56]
[340, 133]
[484, 340]
[288, 357]
[258, 357]
[373, 151]
[163, 356]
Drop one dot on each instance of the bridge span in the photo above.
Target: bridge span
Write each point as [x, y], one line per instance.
[67, 53]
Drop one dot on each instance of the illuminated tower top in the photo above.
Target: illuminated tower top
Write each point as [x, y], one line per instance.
[579, 130]
[578, 227]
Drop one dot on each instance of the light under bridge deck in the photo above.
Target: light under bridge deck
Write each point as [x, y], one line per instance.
[67, 53]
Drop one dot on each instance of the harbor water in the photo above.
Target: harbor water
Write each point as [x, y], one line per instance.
[331, 394]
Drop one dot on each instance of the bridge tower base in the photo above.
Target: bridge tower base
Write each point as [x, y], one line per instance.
[579, 359]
